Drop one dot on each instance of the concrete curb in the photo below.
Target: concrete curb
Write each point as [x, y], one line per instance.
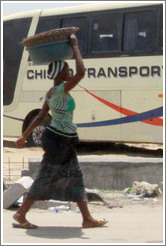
[111, 173]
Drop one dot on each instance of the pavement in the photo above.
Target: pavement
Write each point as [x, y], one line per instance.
[133, 223]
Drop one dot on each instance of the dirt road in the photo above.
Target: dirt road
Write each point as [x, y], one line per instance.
[136, 223]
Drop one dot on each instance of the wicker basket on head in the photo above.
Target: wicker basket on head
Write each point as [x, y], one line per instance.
[50, 36]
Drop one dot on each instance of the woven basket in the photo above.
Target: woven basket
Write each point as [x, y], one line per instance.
[50, 36]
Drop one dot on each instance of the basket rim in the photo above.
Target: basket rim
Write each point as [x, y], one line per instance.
[49, 33]
[47, 44]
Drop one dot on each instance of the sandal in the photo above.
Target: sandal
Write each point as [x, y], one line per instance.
[99, 223]
[25, 225]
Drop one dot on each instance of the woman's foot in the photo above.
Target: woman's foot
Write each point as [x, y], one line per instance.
[22, 222]
[93, 223]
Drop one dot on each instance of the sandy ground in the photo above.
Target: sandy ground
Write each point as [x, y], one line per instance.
[129, 221]
[134, 223]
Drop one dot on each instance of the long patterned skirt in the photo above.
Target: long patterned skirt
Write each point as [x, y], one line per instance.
[60, 177]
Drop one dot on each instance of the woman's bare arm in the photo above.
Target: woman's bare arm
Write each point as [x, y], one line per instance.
[80, 70]
[36, 122]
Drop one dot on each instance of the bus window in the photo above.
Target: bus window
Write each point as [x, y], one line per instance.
[106, 33]
[161, 31]
[139, 31]
[48, 23]
[13, 33]
[82, 34]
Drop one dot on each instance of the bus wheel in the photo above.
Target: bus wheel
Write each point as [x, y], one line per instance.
[37, 134]
[34, 138]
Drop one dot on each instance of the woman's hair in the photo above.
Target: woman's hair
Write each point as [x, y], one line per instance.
[55, 68]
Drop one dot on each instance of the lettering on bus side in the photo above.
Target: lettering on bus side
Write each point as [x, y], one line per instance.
[40, 74]
[116, 72]
[36, 74]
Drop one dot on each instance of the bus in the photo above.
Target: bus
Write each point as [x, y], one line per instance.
[120, 98]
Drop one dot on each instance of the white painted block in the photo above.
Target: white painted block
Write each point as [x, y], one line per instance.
[15, 191]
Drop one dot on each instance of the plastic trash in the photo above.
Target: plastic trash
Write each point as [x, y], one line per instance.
[155, 200]
[58, 209]
[127, 190]
[131, 195]
[136, 196]
[20, 201]
[142, 195]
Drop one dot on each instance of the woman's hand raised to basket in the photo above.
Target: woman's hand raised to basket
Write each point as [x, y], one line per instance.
[80, 70]
[74, 40]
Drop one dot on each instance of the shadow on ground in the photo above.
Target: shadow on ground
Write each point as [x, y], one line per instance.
[56, 232]
[101, 148]
[115, 148]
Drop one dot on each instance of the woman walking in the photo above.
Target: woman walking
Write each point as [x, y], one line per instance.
[60, 177]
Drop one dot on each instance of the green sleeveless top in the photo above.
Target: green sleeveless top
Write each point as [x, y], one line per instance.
[62, 106]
